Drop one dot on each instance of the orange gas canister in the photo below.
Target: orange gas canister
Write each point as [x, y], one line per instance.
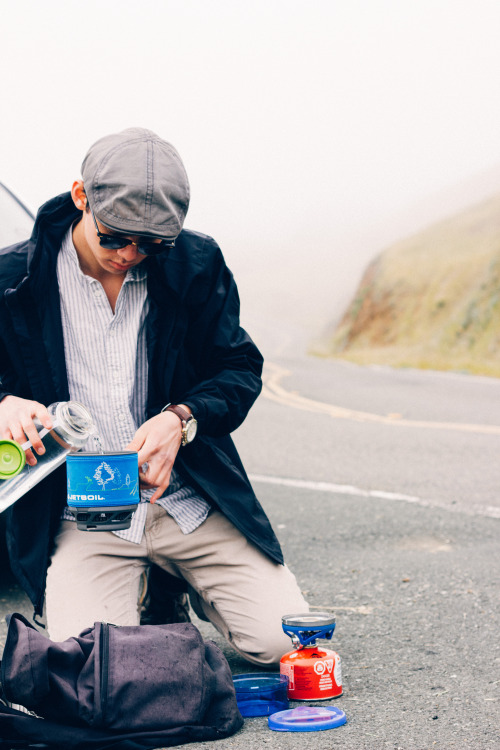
[313, 673]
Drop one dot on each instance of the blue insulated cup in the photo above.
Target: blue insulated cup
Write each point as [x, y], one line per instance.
[103, 489]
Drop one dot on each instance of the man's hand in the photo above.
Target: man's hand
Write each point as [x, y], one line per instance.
[157, 441]
[16, 423]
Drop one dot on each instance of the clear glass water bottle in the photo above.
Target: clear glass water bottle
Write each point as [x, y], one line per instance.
[73, 425]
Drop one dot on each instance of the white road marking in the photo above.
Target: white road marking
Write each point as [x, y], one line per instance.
[346, 489]
[273, 390]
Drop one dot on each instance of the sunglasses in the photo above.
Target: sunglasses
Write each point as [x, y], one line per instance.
[118, 242]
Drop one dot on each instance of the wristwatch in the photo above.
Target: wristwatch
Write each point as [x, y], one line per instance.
[189, 423]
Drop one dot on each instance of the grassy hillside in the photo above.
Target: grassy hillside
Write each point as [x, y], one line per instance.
[431, 301]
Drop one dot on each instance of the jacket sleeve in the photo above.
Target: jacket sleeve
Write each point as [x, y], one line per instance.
[5, 364]
[229, 365]
[13, 268]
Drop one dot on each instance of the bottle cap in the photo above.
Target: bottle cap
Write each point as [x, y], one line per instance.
[307, 719]
[12, 459]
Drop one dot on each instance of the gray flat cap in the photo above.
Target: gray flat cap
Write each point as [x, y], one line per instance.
[136, 184]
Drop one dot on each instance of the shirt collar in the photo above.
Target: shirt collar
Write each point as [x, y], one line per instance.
[136, 273]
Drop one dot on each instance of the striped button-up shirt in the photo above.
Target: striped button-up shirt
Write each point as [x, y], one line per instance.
[107, 366]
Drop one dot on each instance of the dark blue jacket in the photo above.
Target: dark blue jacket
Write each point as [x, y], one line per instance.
[197, 353]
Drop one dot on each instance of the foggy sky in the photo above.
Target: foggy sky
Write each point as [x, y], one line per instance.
[313, 132]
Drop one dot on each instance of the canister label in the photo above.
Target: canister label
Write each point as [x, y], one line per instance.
[102, 479]
[314, 674]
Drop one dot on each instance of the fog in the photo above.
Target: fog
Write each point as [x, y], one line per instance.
[314, 133]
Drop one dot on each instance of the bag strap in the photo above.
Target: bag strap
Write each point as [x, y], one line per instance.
[20, 731]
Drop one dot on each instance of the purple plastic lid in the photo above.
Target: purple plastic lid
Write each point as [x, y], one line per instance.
[307, 719]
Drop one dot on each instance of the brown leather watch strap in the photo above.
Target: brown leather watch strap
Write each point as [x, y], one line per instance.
[183, 415]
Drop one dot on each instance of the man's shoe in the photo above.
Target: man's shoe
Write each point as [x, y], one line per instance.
[164, 599]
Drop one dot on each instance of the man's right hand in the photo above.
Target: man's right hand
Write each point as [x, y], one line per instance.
[16, 423]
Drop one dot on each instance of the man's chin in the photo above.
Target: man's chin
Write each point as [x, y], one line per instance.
[121, 267]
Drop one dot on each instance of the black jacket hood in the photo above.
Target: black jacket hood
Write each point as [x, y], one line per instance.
[53, 218]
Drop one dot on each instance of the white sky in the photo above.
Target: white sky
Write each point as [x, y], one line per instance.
[313, 131]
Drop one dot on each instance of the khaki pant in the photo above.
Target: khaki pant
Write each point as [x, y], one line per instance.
[96, 576]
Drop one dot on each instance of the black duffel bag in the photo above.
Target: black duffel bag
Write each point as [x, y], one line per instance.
[123, 688]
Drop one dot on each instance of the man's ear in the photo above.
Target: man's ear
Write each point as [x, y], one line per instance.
[78, 195]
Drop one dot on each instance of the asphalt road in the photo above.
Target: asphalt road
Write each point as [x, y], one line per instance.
[383, 488]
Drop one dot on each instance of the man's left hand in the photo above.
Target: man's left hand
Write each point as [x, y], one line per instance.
[157, 442]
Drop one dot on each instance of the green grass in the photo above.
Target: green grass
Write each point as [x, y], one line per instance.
[431, 301]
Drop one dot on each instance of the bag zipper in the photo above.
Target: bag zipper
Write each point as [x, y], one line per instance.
[103, 664]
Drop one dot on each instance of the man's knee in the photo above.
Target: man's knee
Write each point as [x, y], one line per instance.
[268, 651]
[265, 642]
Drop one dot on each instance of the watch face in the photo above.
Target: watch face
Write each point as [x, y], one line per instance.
[191, 429]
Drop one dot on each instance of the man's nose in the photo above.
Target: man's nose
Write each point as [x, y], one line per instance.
[129, 252]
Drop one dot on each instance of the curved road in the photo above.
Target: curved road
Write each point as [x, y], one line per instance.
[383, 487]
[420, 436]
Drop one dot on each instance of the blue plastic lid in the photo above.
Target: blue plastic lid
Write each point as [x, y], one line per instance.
[307, 719]
[261, 694]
